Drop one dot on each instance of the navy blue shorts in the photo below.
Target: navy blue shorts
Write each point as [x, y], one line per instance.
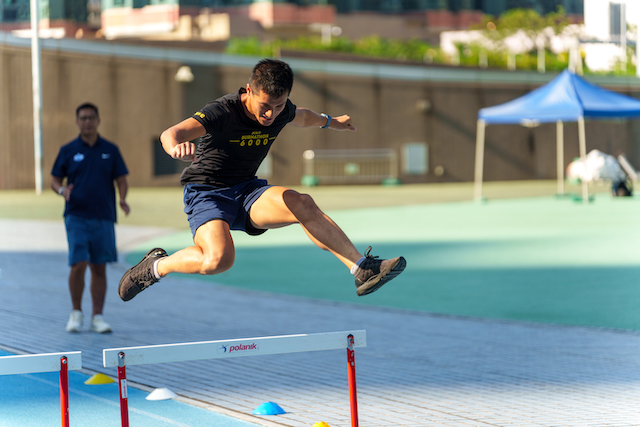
[204, 203]
[92, 240]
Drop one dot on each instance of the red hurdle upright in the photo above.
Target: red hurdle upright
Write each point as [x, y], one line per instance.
[49, 362]
[64, 391]
[124, 395]
[351, 371]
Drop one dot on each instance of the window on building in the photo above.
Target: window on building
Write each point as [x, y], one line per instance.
[163, 164]
[617, 21]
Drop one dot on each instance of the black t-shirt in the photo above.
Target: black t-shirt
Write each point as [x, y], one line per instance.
[234, 146]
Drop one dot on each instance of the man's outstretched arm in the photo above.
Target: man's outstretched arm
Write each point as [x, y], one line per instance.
[306, 118]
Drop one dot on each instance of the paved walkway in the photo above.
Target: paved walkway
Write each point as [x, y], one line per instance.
[417, 369]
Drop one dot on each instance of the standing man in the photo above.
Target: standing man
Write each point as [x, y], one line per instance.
[91, 164]
[222, 192]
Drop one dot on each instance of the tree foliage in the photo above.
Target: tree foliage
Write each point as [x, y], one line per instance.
[528, 21]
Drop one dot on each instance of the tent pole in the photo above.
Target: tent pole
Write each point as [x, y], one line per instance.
[477, 188]
[583, 157]
[560, 155]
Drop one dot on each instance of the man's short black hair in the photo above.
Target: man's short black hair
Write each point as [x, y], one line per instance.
[273, 77]
[87, 105]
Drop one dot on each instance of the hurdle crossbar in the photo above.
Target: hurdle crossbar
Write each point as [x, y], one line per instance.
[223, 349]
[37, 363]
[48, 362]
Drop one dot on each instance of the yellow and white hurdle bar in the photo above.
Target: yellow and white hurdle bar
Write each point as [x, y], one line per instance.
[47, 362]
[223, 349]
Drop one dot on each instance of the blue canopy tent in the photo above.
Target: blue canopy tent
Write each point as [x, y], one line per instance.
[566, 98]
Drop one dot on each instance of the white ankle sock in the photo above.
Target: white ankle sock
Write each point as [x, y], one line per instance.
[356, 266]
[155, 269]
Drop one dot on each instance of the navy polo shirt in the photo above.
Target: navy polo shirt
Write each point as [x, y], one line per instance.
[92, 171]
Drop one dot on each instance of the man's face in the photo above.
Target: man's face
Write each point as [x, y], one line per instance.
[88, 121]
[263, 107]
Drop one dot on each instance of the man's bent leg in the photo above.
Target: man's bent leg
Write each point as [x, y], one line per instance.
[279, 206]
[213, 253]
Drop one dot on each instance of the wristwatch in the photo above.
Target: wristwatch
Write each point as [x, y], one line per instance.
[328, 117]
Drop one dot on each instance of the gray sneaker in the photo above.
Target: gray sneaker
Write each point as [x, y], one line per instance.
[140, 276]
[75, 321]
[99, 325]
[374, 272]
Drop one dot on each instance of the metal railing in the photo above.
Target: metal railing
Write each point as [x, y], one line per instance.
[350, 166]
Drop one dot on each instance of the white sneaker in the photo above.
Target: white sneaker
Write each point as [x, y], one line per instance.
[75, 321]
[99, 325]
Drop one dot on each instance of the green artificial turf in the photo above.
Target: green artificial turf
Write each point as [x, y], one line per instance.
[542, 259]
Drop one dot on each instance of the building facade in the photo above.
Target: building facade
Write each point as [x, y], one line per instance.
[87, 11]
[612, 28]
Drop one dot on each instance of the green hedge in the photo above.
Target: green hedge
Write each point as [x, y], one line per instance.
[494, 28]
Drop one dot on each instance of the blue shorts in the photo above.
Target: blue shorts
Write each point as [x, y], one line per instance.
[204, 203]
[92, 240]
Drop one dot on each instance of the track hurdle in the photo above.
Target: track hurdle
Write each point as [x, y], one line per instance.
[48, 362]
[223, 349]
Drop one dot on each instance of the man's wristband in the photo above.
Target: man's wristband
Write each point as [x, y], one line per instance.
[61, 190]
[328, 117]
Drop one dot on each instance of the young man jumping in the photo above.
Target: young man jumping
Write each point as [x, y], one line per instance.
[222, 192]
